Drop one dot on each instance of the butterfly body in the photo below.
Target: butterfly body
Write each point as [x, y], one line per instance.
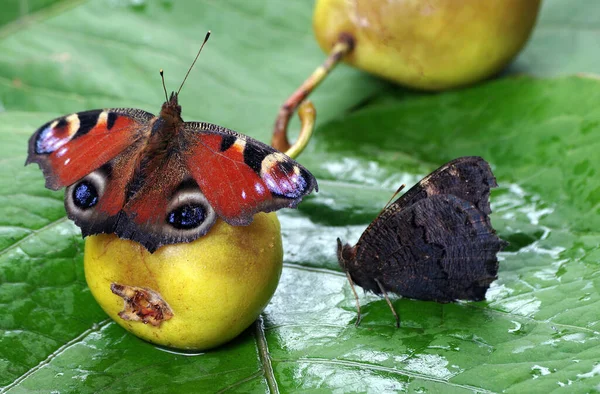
[435, 242]
[159, 180]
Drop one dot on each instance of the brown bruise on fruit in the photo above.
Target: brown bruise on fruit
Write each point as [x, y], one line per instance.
[341, 48]
[142, 304]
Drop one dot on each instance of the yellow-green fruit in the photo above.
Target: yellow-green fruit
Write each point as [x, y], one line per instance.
[215, 286]
[428, 44]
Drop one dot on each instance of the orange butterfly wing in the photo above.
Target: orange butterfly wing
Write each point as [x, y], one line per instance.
[241, 176]
[70, 147]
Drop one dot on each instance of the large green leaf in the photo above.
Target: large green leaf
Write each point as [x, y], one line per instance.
[537, 332]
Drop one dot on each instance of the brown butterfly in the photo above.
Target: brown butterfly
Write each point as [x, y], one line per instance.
[434, 243]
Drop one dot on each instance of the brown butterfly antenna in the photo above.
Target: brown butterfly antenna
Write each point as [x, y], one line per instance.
[162, 76]
[194, 62]
[402, 186]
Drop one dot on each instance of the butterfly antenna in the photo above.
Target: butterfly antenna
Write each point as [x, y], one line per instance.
[194, 62]
[162, 76]
[402, 186]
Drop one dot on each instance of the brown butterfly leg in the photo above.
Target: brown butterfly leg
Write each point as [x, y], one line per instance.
[358, 315]
[389, 303]
[344, 45]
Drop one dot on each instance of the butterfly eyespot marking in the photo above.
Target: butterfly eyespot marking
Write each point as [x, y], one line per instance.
[85, 194]
[283, 178]
[54, 135]
[186, 217]
[189, 211]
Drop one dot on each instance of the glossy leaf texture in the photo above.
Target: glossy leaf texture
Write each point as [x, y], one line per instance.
[539, 330]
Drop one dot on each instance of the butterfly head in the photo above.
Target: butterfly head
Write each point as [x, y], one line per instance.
[171, 110]
[345, 254]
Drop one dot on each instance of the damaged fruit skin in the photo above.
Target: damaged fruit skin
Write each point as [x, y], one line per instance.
[431, 45]
[215, 286]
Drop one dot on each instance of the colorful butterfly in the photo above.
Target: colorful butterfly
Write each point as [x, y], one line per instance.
[159, 180]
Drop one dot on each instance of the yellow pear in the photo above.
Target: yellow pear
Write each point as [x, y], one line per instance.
[428, 44]
[195, 295]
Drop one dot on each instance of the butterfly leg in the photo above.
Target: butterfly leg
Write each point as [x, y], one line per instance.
[358, 315]
[387, 299]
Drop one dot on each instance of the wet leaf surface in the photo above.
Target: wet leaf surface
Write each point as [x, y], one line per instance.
[537, 332]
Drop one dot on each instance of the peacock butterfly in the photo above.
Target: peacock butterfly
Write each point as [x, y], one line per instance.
[159, 180]
[434, 243]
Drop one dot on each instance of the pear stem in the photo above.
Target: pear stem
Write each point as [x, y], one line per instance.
[342, 47]
[307, 114]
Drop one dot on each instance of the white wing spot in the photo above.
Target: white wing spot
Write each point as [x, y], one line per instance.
[73, 124]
